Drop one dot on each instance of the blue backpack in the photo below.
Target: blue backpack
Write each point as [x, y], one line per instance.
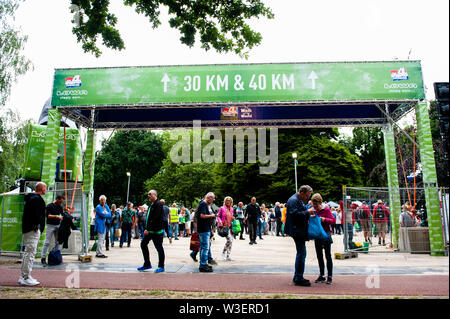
[54, 257]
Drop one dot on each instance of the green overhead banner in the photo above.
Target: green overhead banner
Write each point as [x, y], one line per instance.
[35, 159]
[246, 83]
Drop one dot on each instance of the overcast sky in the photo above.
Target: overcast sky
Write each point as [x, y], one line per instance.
[302, 31]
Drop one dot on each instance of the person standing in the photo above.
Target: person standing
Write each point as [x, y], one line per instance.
[205, 217]
[364, 219]
[252, 213]
[380, 218]
[296, 226]
[33, 224]
[154, 230]
[53, 212]
[225, 219]
[240, 217]
[278, 217]
[187, 222]
[127, 221]
[327, 220]
[174, 219]
[115, 218]
[102, 212]
[338, 221]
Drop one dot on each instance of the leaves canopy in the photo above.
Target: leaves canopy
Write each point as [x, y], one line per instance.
[219, 24]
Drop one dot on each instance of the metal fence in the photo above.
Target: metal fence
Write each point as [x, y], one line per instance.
[373, 233]
[12, 206]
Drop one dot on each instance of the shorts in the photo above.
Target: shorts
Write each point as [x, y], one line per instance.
[381, 227]
[365, 225]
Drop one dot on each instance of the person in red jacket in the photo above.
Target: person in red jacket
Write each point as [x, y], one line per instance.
[327, 220]
[380, 218]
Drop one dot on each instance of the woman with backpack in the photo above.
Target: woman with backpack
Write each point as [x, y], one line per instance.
[225, 218]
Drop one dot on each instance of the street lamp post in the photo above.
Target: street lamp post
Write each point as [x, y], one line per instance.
[128, 190]
[294, 156]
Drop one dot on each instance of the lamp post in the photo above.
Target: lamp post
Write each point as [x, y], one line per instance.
[128, 191]
[294, 156]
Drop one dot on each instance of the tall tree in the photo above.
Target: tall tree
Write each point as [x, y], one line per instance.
[13, 141]
[12, 62]
[137, 152]
[219, 24]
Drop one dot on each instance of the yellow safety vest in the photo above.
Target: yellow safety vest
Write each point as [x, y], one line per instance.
[174, 215]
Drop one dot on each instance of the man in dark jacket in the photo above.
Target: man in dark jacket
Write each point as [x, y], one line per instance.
[297, 218]
[252, 214]
[205, 218]
[154, 230]
[33, 224]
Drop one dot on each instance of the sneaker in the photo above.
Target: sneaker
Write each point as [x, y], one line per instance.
[224, 257]
[303, 283]
[170, 239]
[101, 256]
[144, 268]
[159, 269]
[212, 262]
[250, 243]
[28, 282]
[320, 279]
[43, 261]
[205, 269]
[177, 238]
[194, 258]
[329, 280]
[229, 258]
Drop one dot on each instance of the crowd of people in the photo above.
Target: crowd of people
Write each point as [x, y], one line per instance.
[154, 222]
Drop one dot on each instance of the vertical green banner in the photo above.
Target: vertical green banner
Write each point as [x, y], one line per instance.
[11, 212]
[427, 160]
[392, 175]
[88, 166]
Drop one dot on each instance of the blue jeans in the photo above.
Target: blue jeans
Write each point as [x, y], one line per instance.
[173, 228]
[299, 259]
[205, 248]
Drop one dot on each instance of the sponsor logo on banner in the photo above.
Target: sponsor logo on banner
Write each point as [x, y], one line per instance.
[73, 82]
[229, 113]
[399, 75]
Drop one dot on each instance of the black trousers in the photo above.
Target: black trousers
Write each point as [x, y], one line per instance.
[320, 246]
[252, 227]
[158, 243]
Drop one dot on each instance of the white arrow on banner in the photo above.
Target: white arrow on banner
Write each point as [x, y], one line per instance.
[313, 77]
[165, 79]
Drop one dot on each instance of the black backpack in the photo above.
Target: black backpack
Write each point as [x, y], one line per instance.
[379, 214]
[54, 257]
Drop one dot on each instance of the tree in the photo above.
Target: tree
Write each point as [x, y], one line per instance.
[220, 24]
[13, 141]
[12, 62]
[137, 152]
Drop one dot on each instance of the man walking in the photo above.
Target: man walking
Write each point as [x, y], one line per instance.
[205, 218]
[33, 224]
[127, 221]
[102, 212]
[297, 219]
[154, 230]
[54, 214]
[252, 214]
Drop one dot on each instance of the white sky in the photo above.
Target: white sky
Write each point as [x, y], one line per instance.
[302, 31]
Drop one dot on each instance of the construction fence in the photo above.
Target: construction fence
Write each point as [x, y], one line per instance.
[370, 228]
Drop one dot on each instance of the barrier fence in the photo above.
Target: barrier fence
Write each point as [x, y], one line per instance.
[12, 206]
[391, 229]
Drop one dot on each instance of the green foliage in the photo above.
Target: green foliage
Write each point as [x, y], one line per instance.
[12, 62]
[137, 152]
[368, 144]
[13, 140]
[219, 24]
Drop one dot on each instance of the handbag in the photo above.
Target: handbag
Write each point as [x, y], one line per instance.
[236, 227]
[223, 231]
[195, 242]
[315, 229]
[118, 232]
